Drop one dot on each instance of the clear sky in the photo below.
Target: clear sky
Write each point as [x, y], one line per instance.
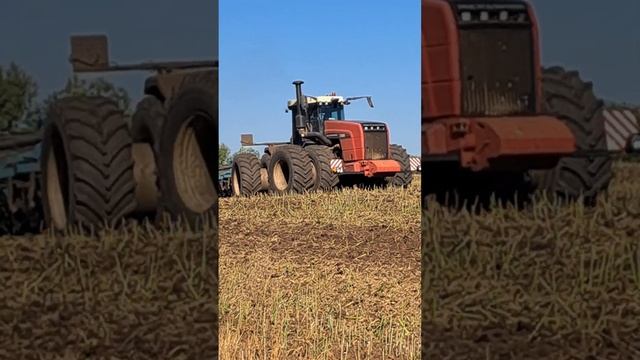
[35, 34]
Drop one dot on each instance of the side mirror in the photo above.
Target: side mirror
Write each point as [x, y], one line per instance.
[347, 101]
[370, 101]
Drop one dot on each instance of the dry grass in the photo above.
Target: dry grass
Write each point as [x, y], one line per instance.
[548, 282]
[135, 293]
[321, 276]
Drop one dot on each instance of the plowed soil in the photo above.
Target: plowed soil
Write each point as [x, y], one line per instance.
[321, 276]
[552, 281]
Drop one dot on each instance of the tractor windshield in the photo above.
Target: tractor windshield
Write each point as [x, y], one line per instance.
[318, 115]
[331, 112]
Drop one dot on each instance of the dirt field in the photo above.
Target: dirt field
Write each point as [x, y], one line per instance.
[323, 276]
[131, 294]
[553, 282]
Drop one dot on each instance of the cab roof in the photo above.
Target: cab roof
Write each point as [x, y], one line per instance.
[320, 100]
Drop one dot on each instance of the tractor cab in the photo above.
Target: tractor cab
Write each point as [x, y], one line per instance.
[313, 111]
[320, 121]
[320, 109]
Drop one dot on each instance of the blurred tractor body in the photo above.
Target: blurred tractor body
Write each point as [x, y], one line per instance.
[492, 118]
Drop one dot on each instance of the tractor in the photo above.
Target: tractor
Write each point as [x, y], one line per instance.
[494, 122]
[99, 167]
[325, 151]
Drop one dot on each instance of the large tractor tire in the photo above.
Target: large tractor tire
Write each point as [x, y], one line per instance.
[572, 100]
[405, 176]
[290, 170]
[245, 175]
[86, 162]
[324, 178]
[188, 160]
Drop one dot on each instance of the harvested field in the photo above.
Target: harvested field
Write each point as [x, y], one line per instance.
[553, 282]
[132, 294]
[321, 276]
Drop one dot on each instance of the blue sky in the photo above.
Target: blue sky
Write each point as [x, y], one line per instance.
[35, 34]
[351, 47]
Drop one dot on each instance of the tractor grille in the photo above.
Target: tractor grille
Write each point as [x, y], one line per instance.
[376, 146]
[496, 59]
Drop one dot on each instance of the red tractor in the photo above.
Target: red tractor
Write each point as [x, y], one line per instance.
[324, 151]
[494, 121]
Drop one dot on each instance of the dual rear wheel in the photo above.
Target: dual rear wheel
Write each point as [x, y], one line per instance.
[296, 169]
[288, 170]
[97, 170]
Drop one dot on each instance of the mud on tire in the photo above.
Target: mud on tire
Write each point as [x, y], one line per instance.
[323, 177]
[405, 176]
[290, 170]
[245, 175]
[573, 101]
[86, 163]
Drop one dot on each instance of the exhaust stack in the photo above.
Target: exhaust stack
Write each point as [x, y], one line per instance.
[302, 118]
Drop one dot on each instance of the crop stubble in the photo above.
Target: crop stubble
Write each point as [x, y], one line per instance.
[321, 276]
[335, 276]
[551, 281]
[135, 293]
